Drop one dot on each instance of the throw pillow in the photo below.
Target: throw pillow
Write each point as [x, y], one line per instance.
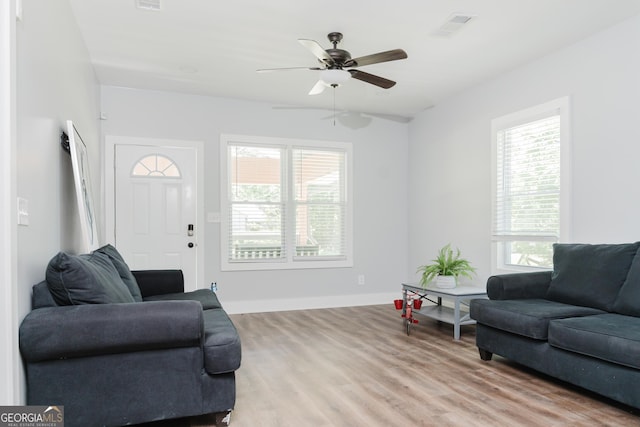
[85, 279]
[590, 275]
[628, 300]
[123, 270]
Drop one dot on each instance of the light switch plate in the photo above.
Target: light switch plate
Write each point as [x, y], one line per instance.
[23, 211]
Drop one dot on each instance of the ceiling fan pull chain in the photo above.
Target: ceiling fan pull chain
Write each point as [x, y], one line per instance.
[334, 105]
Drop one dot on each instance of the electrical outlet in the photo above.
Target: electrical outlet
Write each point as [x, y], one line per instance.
[361, 279]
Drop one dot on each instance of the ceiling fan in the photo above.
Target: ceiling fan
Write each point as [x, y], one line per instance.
[333, 62]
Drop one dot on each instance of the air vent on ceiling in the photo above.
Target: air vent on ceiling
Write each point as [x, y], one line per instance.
[453, 24]
[148, 5]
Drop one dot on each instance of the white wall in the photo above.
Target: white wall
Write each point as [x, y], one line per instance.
[380, 192]
[55, 82]
[450, 148]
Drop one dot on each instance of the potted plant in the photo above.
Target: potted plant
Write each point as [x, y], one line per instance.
[446, 268]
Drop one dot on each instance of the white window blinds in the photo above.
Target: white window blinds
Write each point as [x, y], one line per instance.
[526, 220]
[320, 202]
[257, 203]
[286, 204]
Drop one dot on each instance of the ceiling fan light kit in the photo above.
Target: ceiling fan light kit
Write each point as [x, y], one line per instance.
[334, 76]
[333, 61]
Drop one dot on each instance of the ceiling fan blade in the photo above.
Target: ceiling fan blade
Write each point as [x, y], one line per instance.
[268, 70]
[370, 78]
[318, 88]
[317, 51]
[390, 55]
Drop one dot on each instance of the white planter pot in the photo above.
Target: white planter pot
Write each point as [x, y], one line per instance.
[447, 282]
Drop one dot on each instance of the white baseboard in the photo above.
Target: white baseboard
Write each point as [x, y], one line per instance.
[288, 304]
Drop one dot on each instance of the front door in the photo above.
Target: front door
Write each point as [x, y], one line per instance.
[155, 208]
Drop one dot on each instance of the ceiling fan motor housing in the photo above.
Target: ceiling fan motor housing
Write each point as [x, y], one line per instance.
[340, 56]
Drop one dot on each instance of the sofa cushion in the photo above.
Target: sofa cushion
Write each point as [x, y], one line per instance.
[221, 343]
[207, 298]
[85, 279]
[590, 275]
[628, 300]
[527, 317]
[123, 270]
[611, 337]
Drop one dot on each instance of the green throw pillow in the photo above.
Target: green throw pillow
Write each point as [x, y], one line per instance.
[590, 275]
[85, 279]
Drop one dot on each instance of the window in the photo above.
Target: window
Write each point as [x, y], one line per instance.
[530, 185]
[156, 165]
[285, 203]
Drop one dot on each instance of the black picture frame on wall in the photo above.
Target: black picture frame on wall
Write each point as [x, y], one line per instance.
[82, 181]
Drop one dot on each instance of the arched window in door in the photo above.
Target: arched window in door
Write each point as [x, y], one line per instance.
[156, 165]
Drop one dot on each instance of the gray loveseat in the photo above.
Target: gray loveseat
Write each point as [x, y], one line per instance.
[116, 347]
[579, 323]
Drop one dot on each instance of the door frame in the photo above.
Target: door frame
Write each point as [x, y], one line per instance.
[11, 306]
[109, 191]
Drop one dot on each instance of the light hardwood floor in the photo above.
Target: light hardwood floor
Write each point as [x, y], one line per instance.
[357, 367]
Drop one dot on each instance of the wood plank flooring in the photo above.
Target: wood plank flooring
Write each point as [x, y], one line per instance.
[357, 367]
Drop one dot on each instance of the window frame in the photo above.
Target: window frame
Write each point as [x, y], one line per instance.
[561, 107]
[291, 261]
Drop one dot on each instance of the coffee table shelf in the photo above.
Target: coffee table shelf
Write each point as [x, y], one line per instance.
[444, 314]
[456, 316]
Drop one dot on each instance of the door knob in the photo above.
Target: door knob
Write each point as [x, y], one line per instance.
[190, 244]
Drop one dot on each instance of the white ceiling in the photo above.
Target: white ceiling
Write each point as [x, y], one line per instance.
[214, 48]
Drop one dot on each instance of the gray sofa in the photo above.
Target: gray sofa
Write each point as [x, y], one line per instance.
[579, 323]
[116, 347]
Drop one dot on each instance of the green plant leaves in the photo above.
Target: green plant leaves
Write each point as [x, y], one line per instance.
[447, 263]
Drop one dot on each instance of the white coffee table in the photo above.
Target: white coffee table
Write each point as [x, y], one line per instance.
[460, 295]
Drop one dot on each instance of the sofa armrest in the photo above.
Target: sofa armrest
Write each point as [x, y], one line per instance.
[519, 285]
[159, 282]
[54, 333]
